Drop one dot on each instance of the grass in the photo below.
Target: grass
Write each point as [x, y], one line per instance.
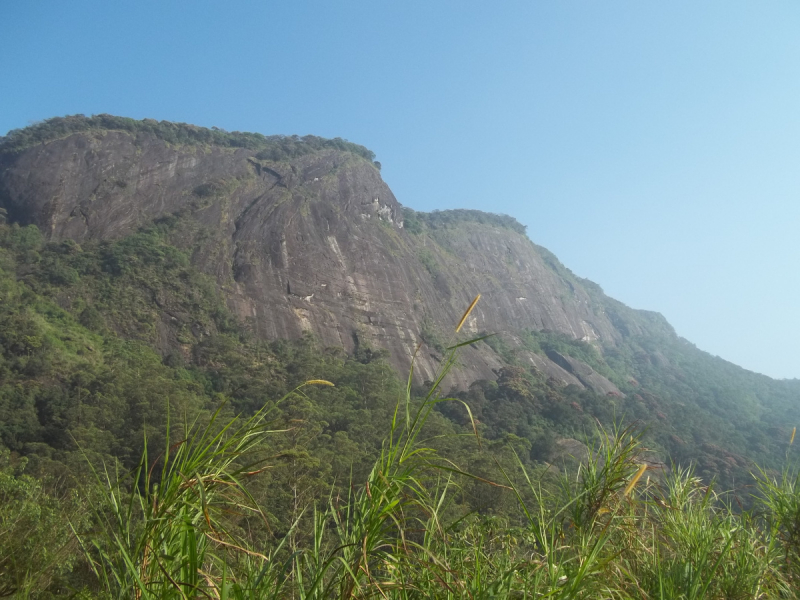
[183, 525]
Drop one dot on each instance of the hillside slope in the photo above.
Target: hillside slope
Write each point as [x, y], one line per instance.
[301, 235]
[309, 239]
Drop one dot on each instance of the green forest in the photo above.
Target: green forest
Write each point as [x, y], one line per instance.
[225, 466]
[272, 147]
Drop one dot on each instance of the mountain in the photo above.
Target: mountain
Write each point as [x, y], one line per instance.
[313, 241]
[300, 235]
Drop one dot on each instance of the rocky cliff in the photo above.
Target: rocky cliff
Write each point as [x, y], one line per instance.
[314, 240]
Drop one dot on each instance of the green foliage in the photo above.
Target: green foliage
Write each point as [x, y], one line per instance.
[83, 376]
[544, 341]
[429, 262]
[275, 147]
[37, 549]
[160, 528]
[602, 531]
[526, 404]
[691, 545]
[499, 344]
[101, 345]
[411, 222]
[780, 503]
[701, 408]
[416, 222]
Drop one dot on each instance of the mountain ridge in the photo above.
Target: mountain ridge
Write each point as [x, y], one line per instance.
[99, 181]
[301, 236]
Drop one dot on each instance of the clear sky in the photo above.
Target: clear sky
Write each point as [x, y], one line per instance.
[654, 147]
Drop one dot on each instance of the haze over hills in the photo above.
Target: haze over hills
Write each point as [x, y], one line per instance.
[302, 236]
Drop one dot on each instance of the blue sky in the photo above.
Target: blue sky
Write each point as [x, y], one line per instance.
[653, 147]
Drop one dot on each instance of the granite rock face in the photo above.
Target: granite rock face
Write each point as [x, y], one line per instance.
[316, 243]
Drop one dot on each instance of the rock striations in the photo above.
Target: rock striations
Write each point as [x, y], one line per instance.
[316, 243]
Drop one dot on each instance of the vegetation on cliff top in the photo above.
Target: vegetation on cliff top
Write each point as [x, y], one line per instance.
[416, 222]
[272, 147]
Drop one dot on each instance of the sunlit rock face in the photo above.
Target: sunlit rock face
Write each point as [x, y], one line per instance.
[317, 244]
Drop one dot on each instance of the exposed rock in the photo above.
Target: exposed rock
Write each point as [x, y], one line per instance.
[315, 243]
[585, 374]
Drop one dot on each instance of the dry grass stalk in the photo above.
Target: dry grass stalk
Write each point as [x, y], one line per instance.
[632, 484]
[466, 314]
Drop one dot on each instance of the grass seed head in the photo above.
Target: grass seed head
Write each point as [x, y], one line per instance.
[632, 484]
[466, 314]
